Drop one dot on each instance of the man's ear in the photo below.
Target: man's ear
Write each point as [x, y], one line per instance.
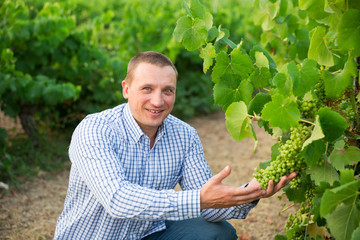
[125, 88]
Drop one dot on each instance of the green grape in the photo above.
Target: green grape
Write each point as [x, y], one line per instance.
[287, 161]
[319, 91]
[308, 108]
[299, 220]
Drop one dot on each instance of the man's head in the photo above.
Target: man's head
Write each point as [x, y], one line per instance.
[150, 87]
[151, 57]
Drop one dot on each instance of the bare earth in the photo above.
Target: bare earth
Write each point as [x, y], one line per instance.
[32, 213]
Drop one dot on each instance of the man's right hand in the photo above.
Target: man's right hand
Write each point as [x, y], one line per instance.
[215, 194]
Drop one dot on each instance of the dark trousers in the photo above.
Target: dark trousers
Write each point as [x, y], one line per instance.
[195, 229]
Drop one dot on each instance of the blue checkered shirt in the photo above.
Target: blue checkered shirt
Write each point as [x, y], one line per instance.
[119, 188]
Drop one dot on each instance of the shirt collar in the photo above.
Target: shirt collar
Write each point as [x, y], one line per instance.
[134, 129]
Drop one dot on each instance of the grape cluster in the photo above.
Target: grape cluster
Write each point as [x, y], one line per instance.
[345, 106]
[301, 217]
[287, 161]
[308, 108]
[319, 90]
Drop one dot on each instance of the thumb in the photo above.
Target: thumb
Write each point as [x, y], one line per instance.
[222, 175]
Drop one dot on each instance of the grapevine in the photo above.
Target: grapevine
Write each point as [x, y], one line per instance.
[300, 82]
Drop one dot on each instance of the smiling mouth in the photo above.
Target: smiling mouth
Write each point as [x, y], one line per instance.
[155, 111]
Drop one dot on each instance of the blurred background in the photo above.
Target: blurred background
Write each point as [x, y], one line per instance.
[61, 60]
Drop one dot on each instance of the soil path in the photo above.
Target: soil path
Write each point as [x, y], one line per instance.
[32, 213]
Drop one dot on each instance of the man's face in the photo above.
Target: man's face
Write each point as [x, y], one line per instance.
[151, 95]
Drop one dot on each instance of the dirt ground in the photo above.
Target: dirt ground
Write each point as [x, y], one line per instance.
[32, 212]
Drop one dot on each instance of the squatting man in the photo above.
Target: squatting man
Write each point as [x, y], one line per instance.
[127, 160]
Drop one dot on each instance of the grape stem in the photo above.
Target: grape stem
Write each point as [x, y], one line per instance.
[306, 121]
[307, 225]
[290, 206]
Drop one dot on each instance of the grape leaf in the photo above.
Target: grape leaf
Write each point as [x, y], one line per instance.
[346, 176]
[281, 112]
[232, 89]
[318, 49]
[261, 60]
[346, 193]
[191, 31]
[356, 234]
[240, 64]
[258, 102]
[343, 221]
[336, 83]
[313, 152]
[316, 134]
[272, 64]
[343, 157]
[314, 8]
[283, 84]
[221, 66]
[197, 9]
[314, 230]
[208, 53]
[323, 173]
[332, 123]
[208, 21]
[238, 123]
[260, 78]
[349, 32]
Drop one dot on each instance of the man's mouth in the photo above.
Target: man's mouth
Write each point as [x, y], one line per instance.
[155, 111]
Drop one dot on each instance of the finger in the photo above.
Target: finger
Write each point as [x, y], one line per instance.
[222, 175]
[270, 188]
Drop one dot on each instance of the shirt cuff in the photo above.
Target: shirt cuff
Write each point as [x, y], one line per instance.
[189, 204]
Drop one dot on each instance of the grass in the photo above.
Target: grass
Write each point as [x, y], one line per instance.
[23, 161]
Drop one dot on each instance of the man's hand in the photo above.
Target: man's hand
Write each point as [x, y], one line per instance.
[272, 188]
[214, 194]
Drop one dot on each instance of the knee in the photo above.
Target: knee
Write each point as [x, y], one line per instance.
[214, 231]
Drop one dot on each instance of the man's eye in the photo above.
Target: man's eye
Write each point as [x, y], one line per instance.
[147, 88]
[168, 90]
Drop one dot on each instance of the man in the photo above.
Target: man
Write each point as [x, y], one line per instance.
[127, 160]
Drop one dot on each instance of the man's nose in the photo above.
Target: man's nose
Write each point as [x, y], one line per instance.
[157, 99]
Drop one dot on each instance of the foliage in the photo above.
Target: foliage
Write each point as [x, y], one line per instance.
[303, 73]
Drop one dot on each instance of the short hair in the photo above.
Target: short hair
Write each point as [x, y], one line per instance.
[151, 57]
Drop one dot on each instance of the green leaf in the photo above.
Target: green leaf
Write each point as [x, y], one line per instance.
[272, 64]
[238, 123]
[261, 60]
[232, 89]
[332, 124]
[197, 9]
[283, 84]
[258, 102]
[324, 173]
[336, 83]
[343, 221]
[316, 134]
[305, 78]
[260, 78]
[208, 20]
[221, 66]
[240, 64]
[343, 157]
[281, 112]
[346, 176]
[314, 8]
[346, 193]
[191, 32]
[349, 32]
[356, 234]
[318, 49]
[313, 152]
[208, 53]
